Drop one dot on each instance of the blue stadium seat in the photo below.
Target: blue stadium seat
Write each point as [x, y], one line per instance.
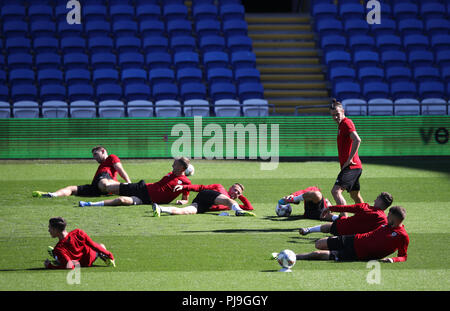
[426, 73]
[55, 109]
[148, 11]
[179, 27]
[45, 44]
[215, 59]
[163, 91]
[100, 44]
[19, 60]
[24, 92]
[440, 42]
[22, 76]
[4, 93]
[341, 74]
[11, 12]
[373, 90]
[105, 76]
[354, 27]
[137, 91]
[388, 43]
[222, 90]
[231, 11]
[133, 75]
[69, 30]
[52, 92]
[207, 27]
[151, 27]
[47, 60]
[387, 26]
[78, 91]
[380, 107]
[125, 28]
[337, 59]
[26, 109]
[410, 26]
[182, 44]
[347, 90]
[403, 89]
[155, 44]
[189, 74]
[250, 90]
[398, 74]
[77, 76]
[174, 11]
[73, 45]
[40, 12]
[204, 11]
[212, 43]
[50, 76]
[370, 74]
[108, 91]
[243, 75]
[329, 27]
[215, 75]
[324, 10]
[161, 75]
[131, 60]
[445, 74]
[90, 12]
[186, 59]
[406, 106]
[366, 58]
[97, 28]
[404, 10]
[192, 90]
[15, 28]
[351, 10]
[416, 42]
[158, 60]
[420, 58]
[239, 43]
[103, 60]
[235, 27]
[17, 45]
[243, 59]
[75, 60]
[361, 43]
[432, 10]
[431, 89]
[333, 42]
[393, 58]
[121, 12]
[42, 28]
[128, 44]
[437, 26]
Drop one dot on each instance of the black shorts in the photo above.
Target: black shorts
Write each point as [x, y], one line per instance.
[205, 199]
[138, 189]
[92, 189]
[349, 179]
[342, 248]
[333, 228]
[313, 210]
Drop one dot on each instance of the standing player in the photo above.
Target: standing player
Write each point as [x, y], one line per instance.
[314, 202]
[210, 198]
[148, 193]
[373, 245]
[74, 247]
[366, 218]
[348, 142]
[105, 175]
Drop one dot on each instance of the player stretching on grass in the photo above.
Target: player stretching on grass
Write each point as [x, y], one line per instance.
[314, 202]
[210, 198]
[148, 193]
[348, 142]
[366, 218]
[376, 244]
[74, 247]
[105, 175]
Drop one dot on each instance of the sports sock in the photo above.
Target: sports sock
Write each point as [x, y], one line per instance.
[165, 209]
[236, 207]
[334, 217]
[101, 203]
[51, 194]
[298, 198]
[314, 229]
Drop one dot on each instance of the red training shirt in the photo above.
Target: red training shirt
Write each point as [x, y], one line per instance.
[344, 143]
[382, 242]
[219, 188]
[366, 218]
[161, 192]
[107, 166]
[77, 245]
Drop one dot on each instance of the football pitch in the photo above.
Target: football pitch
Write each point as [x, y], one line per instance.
[209, 252]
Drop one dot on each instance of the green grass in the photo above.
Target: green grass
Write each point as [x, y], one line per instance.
[209, 252]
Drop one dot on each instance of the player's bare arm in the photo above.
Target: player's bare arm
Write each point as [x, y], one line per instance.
[118, 166]
[355, 146]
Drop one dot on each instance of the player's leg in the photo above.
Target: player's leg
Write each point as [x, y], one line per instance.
[120, 201]
[316, 255]
[325, 228]
[63, 192]
[232, 204]
[104, 183]
[356, 196]
[336, 192]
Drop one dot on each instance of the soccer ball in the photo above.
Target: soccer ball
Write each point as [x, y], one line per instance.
[190, 170]
[283, 210]
[286, 259]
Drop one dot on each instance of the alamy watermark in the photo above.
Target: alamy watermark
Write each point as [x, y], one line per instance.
[374, 275]
[74, 15]
[221, 141]
[374, 15]
[74, 275]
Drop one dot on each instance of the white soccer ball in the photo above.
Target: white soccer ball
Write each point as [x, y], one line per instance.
[283, 210]
[190, 170]
[286, 259]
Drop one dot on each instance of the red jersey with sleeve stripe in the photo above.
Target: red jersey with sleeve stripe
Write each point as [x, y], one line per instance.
[305, 190]
[344, 143]
[366, 218]
[162, 191]
[382, 242]
[78, 246]
[107, 166]
[219, 188]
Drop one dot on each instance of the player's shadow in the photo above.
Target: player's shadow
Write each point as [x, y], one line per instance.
[26, 269]
[266, 230]
[290, 218]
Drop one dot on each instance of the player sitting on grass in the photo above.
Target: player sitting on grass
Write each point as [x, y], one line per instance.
[148, 193]
[105, 175]
[74, 247]
[373, 245]
[366, 218]
[314, 202]
[209, 198]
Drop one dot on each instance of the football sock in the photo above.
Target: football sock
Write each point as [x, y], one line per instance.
[50, 195]
[235, 207]
[298, 198]
[165, 209]
[314, 229]
[334, 217]
[101, 203]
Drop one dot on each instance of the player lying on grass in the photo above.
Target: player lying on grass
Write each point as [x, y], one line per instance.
[147, 193]
[373, 245]
[74, 247]
[105, 175]
[366, 218]
[210, 198]
[314, 202]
